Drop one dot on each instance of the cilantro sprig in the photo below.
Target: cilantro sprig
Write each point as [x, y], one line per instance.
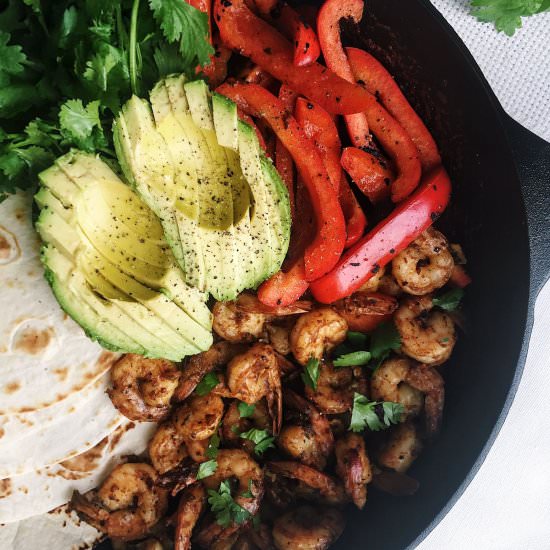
[206, 469]
[261, 439]
[374, 415]
[245, 410]
[450, 300]
[226, 510]
[207, 384]
[507, 15]
[311, 373]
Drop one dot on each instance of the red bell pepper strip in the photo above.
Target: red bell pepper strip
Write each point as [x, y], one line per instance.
[285, 287]
[283, 159]
[328, 27]
[356, 220]
[288, 21]
[459, 277]
[326, 248]
[243, 31]
[319, 126]
[371, 174]
[216, 71]
[378, 81]
[387, 239]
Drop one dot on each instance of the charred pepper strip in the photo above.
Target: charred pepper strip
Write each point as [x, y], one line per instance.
[283, 159]
[319, 126]
[387, 239]
[285, 287]
[324, 251]
[243, 31]
[368, 71]
[371, 174]
[288, 21]
[328, 27]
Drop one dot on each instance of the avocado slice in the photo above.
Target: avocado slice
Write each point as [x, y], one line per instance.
[110, 266]
[222, 204]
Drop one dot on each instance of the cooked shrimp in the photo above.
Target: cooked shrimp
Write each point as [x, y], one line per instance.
[425, 265]
[414, 386]
[237, 464]
[308, 528]
[374, 282]
[233, 425]
[388, 285]
[126, 505]
[254, 375]
[197, 449]
[317, 332]
[142, 388]
[364, 311]
[401, 448]
[310, 440]
[311, 483]
[427, 335]
[279, 335]
[201, 364]
[199, 416]
[353, 467]
[235, 325]
[190, 507]
[167, 447]
[336, 387]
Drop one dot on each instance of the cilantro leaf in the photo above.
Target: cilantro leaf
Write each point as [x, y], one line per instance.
[384, 338]
[226, 510]
[81, 125]
[261, 438]
[208, 383]
[365, 414]
[357, 339]
[310, 376]
[206, 469]
[450, 300]
[11, 57]
[186, 25]
[506, 14]
[245, 410]
[213, 446]
[354, 359]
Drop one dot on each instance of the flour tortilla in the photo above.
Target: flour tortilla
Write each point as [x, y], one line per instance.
[60, 530]
[64, 437]
[43, 490]
[45, 357]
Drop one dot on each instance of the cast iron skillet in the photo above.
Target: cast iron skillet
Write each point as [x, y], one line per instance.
[500, 213]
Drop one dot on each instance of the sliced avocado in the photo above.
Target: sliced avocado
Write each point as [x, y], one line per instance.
[110, 267]
[229, 208]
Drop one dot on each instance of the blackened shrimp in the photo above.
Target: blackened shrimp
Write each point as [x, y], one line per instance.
[425, 265]
[190, 506]
[234, 424]
[316, 333]
[233, 464]
[353, 467]
[307, 437]
[127, 504]
[235, 325]
[401, 448]
[308, 528]
[201, 364]
[427, 334]
[143, 388]
[364, 311]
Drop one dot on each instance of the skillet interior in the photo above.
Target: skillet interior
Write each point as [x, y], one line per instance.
[487, 217]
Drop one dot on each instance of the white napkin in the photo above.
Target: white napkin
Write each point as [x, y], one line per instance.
[507, 505]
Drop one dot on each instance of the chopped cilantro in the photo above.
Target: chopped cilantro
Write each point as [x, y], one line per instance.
[213, 446]
[373, 415]
[310, 376]
[450, 300]
[354, 359]
[226, 510]
[207, 384]
[246, 410]
[206, 469]
[261, 439]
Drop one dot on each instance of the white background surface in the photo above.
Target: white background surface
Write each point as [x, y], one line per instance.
[507, 505]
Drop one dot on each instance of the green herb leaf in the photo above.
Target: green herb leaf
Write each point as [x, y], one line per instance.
[365, 414]
[78, 122]
[245, 410]
[450, 300]
[185, 25]
[357, 339]
[213, 446]
[11, 57]
[206, 469]
[260, 438]
[207, 384]
[506, 14]
[226, 510]
[384, 338]
[310, 376]
[248, 493]
[354, 359]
